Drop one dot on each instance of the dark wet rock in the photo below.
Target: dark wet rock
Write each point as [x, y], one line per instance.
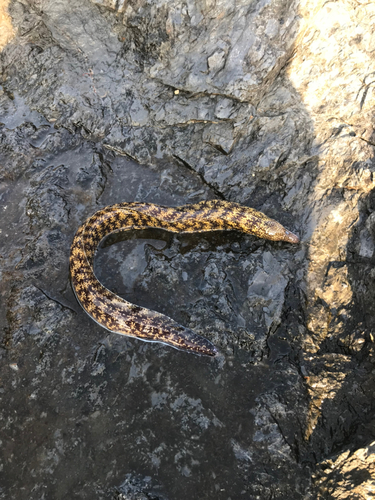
[269, 104]
[138, 488]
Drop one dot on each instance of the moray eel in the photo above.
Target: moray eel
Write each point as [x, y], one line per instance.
[116, 314]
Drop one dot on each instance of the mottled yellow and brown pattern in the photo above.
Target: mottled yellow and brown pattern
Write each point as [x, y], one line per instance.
[119, 316]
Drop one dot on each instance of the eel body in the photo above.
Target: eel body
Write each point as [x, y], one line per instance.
[119, 316]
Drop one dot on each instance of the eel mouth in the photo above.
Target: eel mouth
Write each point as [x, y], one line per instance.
[291, 237]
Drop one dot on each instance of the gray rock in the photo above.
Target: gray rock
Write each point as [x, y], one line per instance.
[269, 104]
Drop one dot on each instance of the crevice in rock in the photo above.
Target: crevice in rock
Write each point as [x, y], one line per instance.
[212, 187]
[49, 297]
[119, 151]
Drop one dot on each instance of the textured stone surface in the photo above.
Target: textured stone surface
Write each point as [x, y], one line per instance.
[7, 31]
[266, 103]
[350, 475]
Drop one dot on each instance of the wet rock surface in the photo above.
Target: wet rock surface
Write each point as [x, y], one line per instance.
[269, 104]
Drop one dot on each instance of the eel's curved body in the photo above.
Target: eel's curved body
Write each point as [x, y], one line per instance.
[119, 316]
